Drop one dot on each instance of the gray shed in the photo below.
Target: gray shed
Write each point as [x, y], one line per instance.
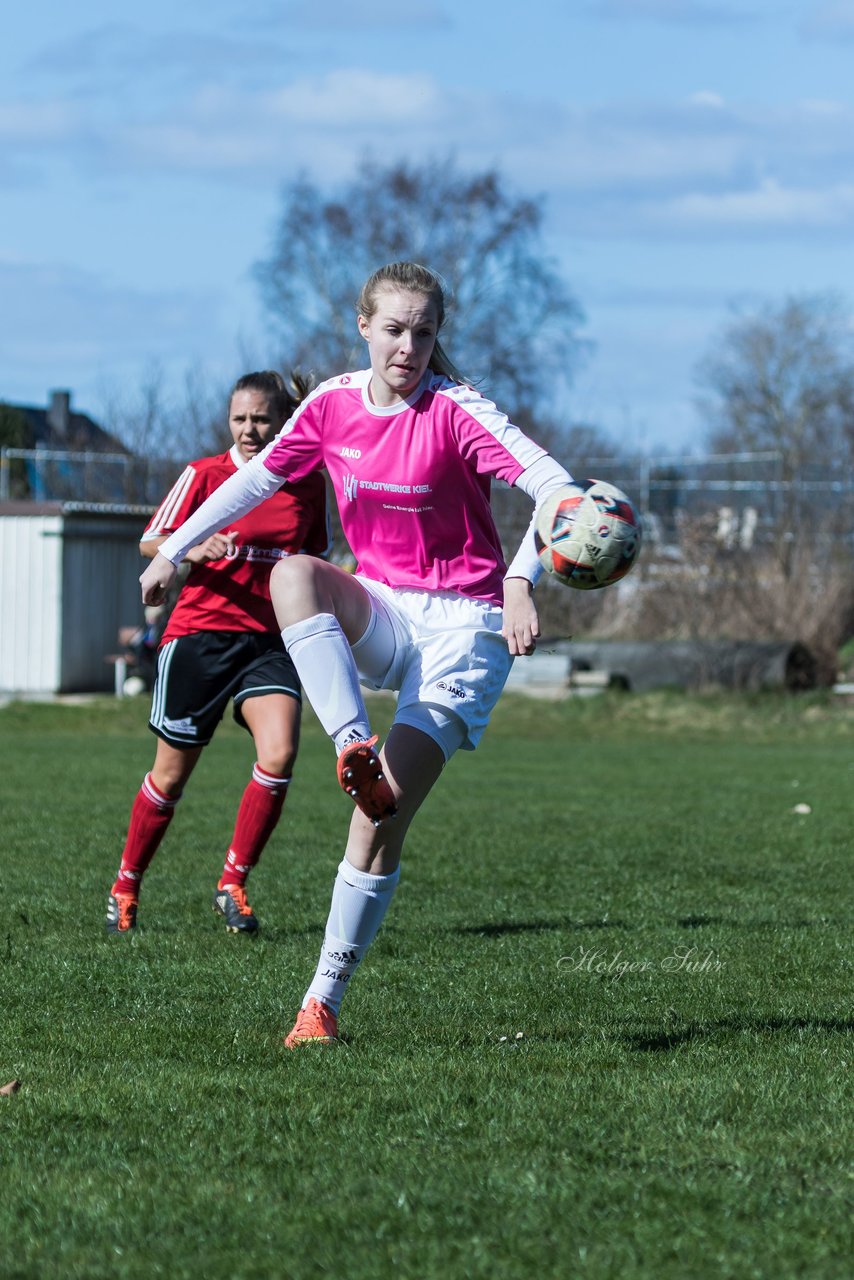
[68, 582]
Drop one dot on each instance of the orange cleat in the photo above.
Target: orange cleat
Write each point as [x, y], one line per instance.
[121, 913]
[315, 1024]
[361, 775]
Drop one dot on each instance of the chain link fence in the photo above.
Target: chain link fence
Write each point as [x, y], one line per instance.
[752, 494]
[56, 475]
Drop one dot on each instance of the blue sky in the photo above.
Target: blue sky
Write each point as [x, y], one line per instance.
[691, 155]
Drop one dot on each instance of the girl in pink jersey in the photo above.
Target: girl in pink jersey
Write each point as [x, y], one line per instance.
[222, 642]
[432, 612]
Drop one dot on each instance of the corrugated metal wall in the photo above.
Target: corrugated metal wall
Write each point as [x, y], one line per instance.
[30, 603]
[101, 565]
[67, 583]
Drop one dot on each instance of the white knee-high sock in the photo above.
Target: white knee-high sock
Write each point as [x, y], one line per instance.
[359, 904]
[325, 665]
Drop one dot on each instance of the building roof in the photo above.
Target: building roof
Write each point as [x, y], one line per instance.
[58, 426]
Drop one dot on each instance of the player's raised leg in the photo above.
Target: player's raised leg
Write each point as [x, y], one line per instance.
[323, 611]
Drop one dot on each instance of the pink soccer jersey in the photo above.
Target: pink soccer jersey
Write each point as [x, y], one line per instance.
[233, 593]
[412, 481]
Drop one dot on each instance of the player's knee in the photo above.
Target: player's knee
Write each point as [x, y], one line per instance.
[294, 569]
[279, 762]
[171, 780]
[296, 586]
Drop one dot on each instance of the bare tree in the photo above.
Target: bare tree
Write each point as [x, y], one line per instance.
[202, 415]
[164, 429]
[514, 326]
[782, 378]
[14, 434]
[786, 592]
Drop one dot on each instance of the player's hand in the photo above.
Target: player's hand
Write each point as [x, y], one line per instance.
[521, 622]
[213, 548]
[157, 579]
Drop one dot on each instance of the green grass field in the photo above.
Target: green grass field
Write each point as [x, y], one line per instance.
[604, 1032]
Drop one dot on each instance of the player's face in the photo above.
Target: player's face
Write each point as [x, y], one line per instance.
[251, 421]
[401, 335]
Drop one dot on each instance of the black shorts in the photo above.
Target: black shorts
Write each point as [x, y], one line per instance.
[196, 676]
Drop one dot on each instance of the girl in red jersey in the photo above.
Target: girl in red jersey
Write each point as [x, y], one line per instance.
[222, 641]
[433, 612]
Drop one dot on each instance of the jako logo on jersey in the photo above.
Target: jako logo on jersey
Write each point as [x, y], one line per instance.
[351, 487]
[350, 453]
[453, 689]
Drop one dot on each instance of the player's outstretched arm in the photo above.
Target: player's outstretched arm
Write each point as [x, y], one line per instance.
[156, 579]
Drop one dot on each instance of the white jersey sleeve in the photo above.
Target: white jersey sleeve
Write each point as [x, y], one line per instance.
[538, 481]
[242, 492]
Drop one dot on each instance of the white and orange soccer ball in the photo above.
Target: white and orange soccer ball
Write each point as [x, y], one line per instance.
[588, 535]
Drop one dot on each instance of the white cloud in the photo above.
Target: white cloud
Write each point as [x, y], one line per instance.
[121, 50]
[360, 97]
[73, 328]
[706, 98]
[830, 22]
[694, 168]
[343, 15]
[312, 123]
[702, 162]
[705, 12]
[770, 206]
[27, 122]
[220, 130]
[64, 308]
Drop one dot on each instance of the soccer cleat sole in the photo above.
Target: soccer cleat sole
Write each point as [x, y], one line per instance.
[365, 782]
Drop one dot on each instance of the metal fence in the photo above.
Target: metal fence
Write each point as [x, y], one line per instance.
[748, 490]
[54, 475]
[752, 491]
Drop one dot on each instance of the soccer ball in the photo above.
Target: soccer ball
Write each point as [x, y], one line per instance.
[588, 535]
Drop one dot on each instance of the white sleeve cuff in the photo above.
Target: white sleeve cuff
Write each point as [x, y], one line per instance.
[240, 493]
[538, 481]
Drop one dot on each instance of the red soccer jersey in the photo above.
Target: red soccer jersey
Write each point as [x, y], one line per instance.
[233, 594]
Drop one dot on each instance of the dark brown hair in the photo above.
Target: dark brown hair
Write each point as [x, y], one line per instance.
[283, 394]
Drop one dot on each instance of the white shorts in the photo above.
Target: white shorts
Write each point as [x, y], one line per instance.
[443, 653]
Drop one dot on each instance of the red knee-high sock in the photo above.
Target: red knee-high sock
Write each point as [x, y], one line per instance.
[150, 816]
[257, 816]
